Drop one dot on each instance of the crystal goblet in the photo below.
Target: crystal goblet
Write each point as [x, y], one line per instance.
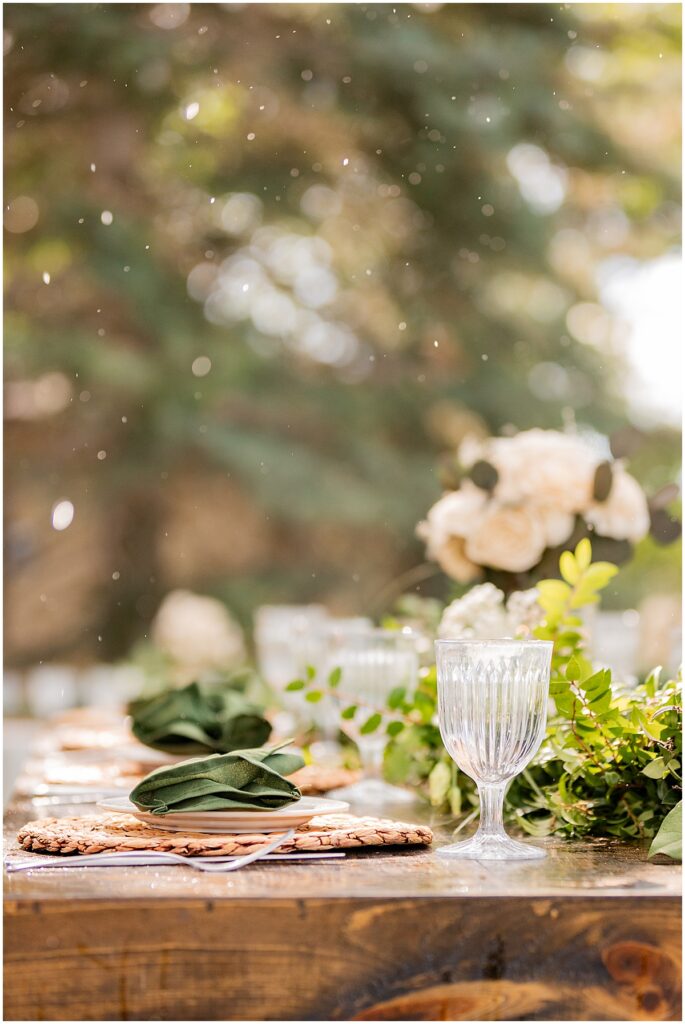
[287, 640]
[492, 709]
[373, 663]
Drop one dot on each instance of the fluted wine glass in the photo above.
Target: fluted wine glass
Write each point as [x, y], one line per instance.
[288, 639]
[492, 708]
[373, 663]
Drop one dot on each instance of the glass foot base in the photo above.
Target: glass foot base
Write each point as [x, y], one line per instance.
[493, 847]
[373, 792]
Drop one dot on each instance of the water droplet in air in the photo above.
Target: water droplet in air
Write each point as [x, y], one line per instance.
[62, 514]
[201, 366]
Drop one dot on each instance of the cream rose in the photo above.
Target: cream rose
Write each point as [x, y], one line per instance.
[544, 466]
[452, 560]
[198, 633]
[507, 537]
[624, 515]
[454, 515]
[557, 524]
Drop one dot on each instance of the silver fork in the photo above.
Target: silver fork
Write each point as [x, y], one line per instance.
[159, 857]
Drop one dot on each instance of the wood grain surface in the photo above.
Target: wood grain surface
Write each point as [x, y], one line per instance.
[590, 933]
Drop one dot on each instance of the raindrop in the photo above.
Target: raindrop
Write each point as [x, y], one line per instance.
[106, 217]
[191, 111]
[21, 214]
[46, 277]
[201, 366]
[62, 514]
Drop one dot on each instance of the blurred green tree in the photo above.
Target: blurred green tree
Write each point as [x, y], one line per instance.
[304, 248]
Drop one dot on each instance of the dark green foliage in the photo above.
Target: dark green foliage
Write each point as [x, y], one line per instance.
[611, 762]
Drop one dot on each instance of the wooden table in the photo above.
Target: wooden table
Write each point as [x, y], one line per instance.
[592, 932]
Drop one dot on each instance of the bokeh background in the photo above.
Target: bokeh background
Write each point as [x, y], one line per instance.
[265, 264]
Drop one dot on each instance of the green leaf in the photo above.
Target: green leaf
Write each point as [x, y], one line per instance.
[656, 769]
[334, 677]
[297, 684]
[595, 578]
[569, 567]
[394, 728]
[455, 799]
[652, 728]
[314, 696]
[583, 553]
[597, 683]
[553, 595]
[396, 697]
[310, 672]
[425, 705]
[669, 839]
[371, 724]
[349, 712]
[573, 670]
[439, 782]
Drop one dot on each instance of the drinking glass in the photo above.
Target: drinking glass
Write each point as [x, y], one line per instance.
[372, 664]
[325, 714]
[288, 638]
[492, 708]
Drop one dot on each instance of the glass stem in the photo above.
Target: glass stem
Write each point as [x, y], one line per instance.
[371, 756]
[491, 809]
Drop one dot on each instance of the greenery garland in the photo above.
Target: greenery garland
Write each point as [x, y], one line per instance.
[610, 764]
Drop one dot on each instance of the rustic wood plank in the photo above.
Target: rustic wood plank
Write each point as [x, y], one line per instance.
[590, 933]
[569, 958]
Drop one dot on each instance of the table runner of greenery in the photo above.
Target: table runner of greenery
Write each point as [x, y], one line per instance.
[610, 764]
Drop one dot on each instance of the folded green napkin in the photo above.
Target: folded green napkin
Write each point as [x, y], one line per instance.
[244, 780]
[199, 719]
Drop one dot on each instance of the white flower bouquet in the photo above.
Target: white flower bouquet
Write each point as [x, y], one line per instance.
[198, 635]
[524, 499]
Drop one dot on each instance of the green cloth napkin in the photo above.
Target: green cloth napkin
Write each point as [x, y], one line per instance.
[244, 780]
[199, 719]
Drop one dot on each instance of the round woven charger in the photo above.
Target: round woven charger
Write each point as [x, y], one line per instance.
[123, 832]
[315, 778]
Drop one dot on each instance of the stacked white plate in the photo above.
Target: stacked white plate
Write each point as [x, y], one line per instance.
[227, 822]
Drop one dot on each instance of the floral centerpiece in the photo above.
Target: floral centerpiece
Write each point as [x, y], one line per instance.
[518, 502]
[521, 512]
[198, 635]
[193, 638]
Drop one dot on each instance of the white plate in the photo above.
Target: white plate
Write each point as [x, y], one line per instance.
[227, 822]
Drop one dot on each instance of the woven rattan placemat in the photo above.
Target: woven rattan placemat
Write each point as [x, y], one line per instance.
[319, 778]
[93, 834]
[124, 773]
